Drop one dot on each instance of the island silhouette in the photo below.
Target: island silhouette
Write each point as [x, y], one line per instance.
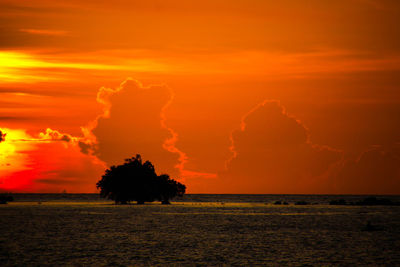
[136, 180]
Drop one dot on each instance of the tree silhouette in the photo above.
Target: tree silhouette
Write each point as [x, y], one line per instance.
[2, 136]
[168, 188]
[138, 181]
[4, 198]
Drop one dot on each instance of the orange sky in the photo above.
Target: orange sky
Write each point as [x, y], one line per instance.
[252, 96]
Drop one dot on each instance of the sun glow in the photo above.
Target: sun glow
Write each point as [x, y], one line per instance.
[15, 142]
[305, 80]
[13, 158]
[30, 68]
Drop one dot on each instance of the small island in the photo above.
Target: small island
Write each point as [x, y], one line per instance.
[4, 198]
[136, 180]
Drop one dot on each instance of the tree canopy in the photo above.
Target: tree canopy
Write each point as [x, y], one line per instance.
[4, 198]
[138, 181]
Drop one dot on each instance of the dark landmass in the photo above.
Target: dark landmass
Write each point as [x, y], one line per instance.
[4, 199]
[226, 198]
[302, 203]
[369, 201]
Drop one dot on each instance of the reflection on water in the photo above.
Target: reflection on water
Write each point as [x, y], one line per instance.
[80, 230]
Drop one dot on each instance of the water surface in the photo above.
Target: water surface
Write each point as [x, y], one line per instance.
[83, 230]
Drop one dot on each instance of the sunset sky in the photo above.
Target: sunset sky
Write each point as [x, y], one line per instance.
[240, 96]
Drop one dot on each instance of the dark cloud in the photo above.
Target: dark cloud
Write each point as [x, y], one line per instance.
[376, 171]
[272, 153]
[65, 138]
[86, 148]
[14, 118]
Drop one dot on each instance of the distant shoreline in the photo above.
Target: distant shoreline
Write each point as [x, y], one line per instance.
[275, 199]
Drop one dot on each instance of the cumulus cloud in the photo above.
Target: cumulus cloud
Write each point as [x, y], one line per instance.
[54, 135]
[376, 171]
[272, 153]
[49, 135]
[133, 122]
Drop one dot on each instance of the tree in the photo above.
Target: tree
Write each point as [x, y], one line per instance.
[169, 188]
[4, 198]
[138, 181]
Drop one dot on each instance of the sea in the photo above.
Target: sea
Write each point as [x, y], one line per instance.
[228, 198]
[199, 230]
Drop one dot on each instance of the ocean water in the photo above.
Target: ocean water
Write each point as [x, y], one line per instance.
[204, 230]
[228, 198]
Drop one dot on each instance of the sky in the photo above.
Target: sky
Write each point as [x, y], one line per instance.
[255, 96]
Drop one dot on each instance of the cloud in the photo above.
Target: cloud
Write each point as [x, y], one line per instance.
[376, 171]
[49, 135]
[272, 153]
[54, 135]
[133, 122]
[48, 162]
[45, 32]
